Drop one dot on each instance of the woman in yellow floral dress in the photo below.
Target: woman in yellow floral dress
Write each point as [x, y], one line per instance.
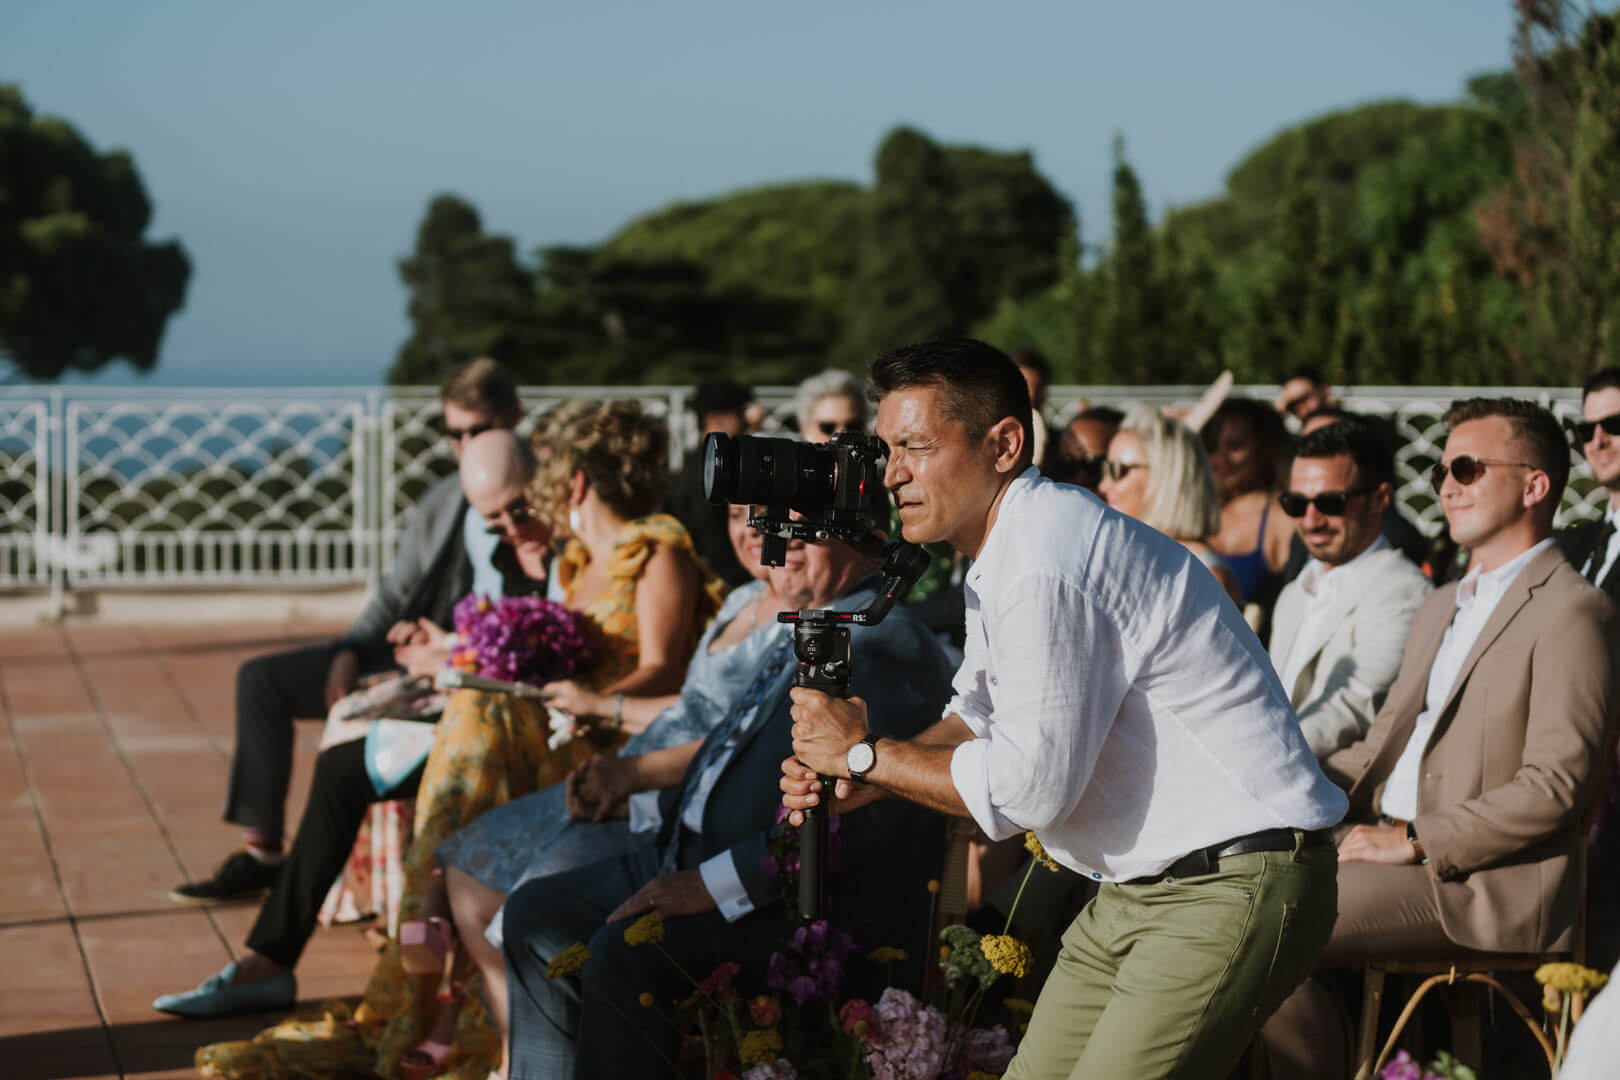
[634, 575]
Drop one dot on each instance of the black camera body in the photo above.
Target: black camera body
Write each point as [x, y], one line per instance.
[836, 486]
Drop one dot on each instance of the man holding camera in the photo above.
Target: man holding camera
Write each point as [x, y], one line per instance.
[1114, 702]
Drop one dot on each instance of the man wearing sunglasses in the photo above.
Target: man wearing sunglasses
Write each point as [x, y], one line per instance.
[443, 554]
[1340, 627]
[1591, 546]
[1473, 781]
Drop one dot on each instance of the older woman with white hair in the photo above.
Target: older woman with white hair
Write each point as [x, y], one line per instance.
[828, 403]
[1158, 473]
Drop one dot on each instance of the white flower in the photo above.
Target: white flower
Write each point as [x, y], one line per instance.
[562, 728]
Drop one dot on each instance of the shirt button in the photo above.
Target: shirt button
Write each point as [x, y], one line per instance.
[1096, 875]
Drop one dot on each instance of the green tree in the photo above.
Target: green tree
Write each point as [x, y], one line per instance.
[79, 287]
[470, 297]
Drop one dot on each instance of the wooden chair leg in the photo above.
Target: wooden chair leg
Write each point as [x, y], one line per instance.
[1372, 1000]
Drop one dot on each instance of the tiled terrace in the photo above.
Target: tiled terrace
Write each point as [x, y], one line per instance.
[112, 773]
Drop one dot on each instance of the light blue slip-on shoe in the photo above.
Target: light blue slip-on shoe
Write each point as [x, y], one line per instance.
[217, 997]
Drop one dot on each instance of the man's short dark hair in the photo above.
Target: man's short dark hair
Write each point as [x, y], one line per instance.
[1336, 413]
[1605, 379]
[720, 396]
[979, 384]
[1541, 440]
[1356, 439]
[1102, 414]
[481, 385]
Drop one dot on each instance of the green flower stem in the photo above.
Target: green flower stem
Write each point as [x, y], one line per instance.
[638, 1030]
[1018, 896]
[1563, 1035]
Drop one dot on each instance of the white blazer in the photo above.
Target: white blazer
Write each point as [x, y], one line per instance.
[1352, 653]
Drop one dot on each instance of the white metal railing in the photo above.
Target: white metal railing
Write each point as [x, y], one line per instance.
[307, 487]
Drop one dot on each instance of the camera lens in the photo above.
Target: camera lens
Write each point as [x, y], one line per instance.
[769, 472]
[719, 468]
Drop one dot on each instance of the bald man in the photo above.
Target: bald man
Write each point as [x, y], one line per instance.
[496, 467]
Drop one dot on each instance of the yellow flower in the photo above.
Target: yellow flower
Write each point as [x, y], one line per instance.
[1019, 1005]
[759, 1047]
[944, 953]
[887, 954]
[646, 1000]
[933, 885]
[568, 961]
[647, 930]
[1006, 954]
[1571, 978]
[860, 1029]
[1032, 844]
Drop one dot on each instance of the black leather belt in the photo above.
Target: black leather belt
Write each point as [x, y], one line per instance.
[1205, 860]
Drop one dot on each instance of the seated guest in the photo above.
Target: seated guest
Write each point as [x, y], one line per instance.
[1591, 546]
[610, 802]
[1475, 775]
[828, 403]
[1077, 458]
[1248, 453]
[1157, 473]
[495, 469]
[706, 872]
[630, 571]
[1404, 536]
[443, 553]
[1340, 627]
[1303, 392]
[720, 407]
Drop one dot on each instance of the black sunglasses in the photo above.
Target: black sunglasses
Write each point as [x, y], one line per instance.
[518, 513]
[455, 434]
[1089, 464]
[1119, 470]
[1465, 469]
[1585, 429]
[830, 427]
[1328, 503]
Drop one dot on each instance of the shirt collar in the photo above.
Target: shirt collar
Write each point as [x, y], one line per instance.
[1318, 577]
[1015, 491]
[1491, 585]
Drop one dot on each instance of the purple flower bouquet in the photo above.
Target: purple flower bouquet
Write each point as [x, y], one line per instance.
[524, 639]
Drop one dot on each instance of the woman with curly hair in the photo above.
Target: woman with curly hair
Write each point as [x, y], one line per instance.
[631, 571]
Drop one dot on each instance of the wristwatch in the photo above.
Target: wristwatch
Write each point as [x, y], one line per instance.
[1417, 845]
[861, 757]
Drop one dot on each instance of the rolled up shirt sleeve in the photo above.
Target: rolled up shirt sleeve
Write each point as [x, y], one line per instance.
[1055, 671]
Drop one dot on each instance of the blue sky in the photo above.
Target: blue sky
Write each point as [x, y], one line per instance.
[292, 147]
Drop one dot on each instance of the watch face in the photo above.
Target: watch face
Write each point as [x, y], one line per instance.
[860, 757]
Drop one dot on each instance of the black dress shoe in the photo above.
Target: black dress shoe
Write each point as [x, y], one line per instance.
[239, 877]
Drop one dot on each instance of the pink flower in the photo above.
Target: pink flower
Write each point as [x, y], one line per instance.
[780, 1069]
[985, 1050]
[765, 1010]
[718, 984]
[913, 1046]
[857, 1011]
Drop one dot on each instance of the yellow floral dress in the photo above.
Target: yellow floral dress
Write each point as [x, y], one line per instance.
[487, 750]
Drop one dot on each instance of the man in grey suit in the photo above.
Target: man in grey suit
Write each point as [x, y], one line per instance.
[1339, 627]
[444, 553]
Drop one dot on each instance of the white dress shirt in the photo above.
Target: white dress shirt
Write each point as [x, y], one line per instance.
[1321, 584]
[1121, 707]
[1605, 558]
[480, 547]
[1477, 597]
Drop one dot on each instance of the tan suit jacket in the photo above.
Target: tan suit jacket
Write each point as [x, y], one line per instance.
[1514, 760]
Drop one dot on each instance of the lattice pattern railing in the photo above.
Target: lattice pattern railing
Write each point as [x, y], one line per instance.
[313, 487]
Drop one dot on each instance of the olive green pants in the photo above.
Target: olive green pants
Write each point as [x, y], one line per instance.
[1172, 979]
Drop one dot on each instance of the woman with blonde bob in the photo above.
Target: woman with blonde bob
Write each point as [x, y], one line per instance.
[1158, 473]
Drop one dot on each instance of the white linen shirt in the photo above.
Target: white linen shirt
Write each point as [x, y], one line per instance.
[1121, 707]
[1477, 597]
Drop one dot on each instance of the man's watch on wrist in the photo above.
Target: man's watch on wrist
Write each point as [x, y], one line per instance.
[1417, 845]
[860, 758]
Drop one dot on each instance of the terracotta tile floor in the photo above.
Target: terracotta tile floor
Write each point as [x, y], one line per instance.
[113, 759]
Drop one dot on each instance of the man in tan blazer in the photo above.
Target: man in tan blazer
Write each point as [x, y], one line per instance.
[1340, 627]
[1474, 777]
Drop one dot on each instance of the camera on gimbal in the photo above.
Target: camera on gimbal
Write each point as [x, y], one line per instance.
[836, 486]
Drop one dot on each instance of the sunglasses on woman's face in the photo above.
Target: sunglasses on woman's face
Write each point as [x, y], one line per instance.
[1328, 503]
[1465, 469]
[1119, 470]
[1585, 429]
[1090, 465]
[830, 427]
